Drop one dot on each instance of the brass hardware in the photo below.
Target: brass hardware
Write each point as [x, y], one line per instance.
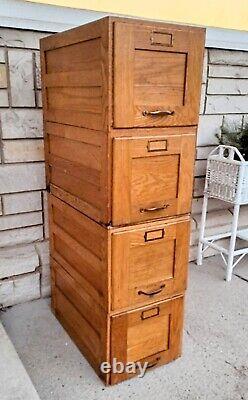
[153, 292]
[154, 208]
[157, 113]
[157, 145]
[161, 39]
[154, 235]
[154, 363]
[152, 312]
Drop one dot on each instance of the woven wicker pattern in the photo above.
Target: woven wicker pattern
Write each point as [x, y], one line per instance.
[227, 177]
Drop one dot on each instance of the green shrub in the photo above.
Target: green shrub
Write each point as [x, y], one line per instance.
[236, 138]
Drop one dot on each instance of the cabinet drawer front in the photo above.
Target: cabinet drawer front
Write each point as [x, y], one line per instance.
[149, 264]
[150, 334]
[150, 175]
[157, 75]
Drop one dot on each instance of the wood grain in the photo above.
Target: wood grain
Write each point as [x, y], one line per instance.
[80, 246]
[75, 84]
[147, 74]
[149, 260]
[144, 179]
[160, 77]
[85, 255]
[78, 173]
[156, 339]
[118, 208]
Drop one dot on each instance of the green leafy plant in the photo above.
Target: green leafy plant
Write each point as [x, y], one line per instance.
[236, 137]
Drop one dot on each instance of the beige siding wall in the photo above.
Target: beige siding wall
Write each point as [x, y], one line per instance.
[224, 102]
[24, 257]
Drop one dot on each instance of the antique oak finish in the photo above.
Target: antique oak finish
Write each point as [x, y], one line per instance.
[150, 175]
[153, 70]
[121, 103]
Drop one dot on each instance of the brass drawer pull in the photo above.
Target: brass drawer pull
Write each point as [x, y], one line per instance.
[142, 210]
[153, 292]
[157, 113]
[161, 39]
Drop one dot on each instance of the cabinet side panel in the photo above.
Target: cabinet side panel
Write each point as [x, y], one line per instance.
[77, 159]
[74, 77]
[81, 316]
[79, 245]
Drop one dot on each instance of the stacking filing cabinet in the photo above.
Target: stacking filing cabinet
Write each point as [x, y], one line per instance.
[121, 103]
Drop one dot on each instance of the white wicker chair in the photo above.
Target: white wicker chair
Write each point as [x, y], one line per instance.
[227, 180]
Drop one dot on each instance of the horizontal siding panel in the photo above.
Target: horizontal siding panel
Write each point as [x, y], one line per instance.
[226, 104]
[227, 86]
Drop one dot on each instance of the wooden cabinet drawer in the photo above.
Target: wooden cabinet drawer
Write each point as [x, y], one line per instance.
[120, 267]
[152, 177]
[157, 75]
[149, 264]
[151, 334]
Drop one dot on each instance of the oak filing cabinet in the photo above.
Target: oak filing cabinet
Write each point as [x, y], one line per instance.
[121, 103]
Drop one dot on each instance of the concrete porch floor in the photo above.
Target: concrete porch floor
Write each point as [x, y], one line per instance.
[214, 364]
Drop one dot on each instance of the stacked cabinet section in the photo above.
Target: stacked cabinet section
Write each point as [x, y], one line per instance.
[157, 75]
[150, 174]
[121, 102]
[113, 288]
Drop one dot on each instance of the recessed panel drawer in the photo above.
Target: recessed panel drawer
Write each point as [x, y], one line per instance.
[157, 75]
[152, 177]
[149, 264]
[150, 334]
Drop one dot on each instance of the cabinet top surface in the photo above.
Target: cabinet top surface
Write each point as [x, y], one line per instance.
[109, 20]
